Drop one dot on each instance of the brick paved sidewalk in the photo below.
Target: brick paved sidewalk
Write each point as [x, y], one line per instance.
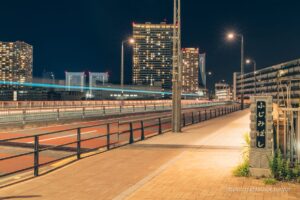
[206, 174]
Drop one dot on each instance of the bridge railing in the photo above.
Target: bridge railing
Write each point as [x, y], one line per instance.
[23, 116]
[4, 105]
[75, 143]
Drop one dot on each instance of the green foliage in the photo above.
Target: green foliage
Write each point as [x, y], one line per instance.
[242, 170]
[270, 181]
[282, 169]
[246, 149]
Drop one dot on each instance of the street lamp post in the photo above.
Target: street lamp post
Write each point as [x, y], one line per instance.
[248, 61]
[231, 36]
[177, 69]
[130, 41]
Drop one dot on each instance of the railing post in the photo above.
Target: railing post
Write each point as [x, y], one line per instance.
[120, 109]
[142, 131]
[36, 155]
[183, 115]
[78, 143]
[205, 115]
[133, 108]
[24, 116]
[131, 139]
[57, 116]
[104, 111]
[199, 116]
[145, 107]
[193, 120]
[159, 126]
[209, 113]
[154, 106]
[108, 136]
[83, 112]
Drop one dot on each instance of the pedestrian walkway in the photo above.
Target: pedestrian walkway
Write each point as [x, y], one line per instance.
[195, 164]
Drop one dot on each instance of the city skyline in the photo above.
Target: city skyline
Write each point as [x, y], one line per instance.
[77, 37]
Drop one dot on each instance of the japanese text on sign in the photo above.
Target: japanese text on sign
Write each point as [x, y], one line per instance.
[261, 124]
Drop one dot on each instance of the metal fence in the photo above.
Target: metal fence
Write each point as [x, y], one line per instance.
[4, 105]
[112, 134]
[287, 133]
[25, 115]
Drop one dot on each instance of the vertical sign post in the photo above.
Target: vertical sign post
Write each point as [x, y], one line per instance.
[261, 147]
[261, 124]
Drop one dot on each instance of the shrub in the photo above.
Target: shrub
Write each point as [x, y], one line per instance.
[243, 169]
[270, 181]
[282, 170]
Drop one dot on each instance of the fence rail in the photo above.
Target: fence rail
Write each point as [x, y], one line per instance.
[54, 104]
[25, 115]
[112, 134]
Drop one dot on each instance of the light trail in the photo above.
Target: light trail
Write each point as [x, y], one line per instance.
[45, 85]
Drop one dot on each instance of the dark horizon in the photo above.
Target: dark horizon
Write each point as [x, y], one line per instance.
[86, 36]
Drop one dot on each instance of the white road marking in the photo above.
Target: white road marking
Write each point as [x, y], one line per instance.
[30, 129]
[65, 136]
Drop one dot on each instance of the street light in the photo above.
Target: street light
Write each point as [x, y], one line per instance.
[128, 41]
[231, 36]
[249, 61]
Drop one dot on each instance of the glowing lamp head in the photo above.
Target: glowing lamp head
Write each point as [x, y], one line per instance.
[131, 41]
[209, 73]
[230, 36]
[248, 61]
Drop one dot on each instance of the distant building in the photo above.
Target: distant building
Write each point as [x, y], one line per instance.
[97, 79]
[272, 81]
[15, 63]
[75, 79]
[202, 70]
[48, 77]
[152, 54]
[190, 70]
[223, 92]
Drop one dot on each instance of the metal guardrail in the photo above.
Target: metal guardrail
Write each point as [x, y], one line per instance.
[23, 116]
[134, 129]
[68, 104]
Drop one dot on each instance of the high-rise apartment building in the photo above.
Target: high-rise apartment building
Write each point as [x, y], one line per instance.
[190, 70]
[152, 55]
[15, 62]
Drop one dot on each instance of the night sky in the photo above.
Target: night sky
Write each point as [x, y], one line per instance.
[86, 35]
